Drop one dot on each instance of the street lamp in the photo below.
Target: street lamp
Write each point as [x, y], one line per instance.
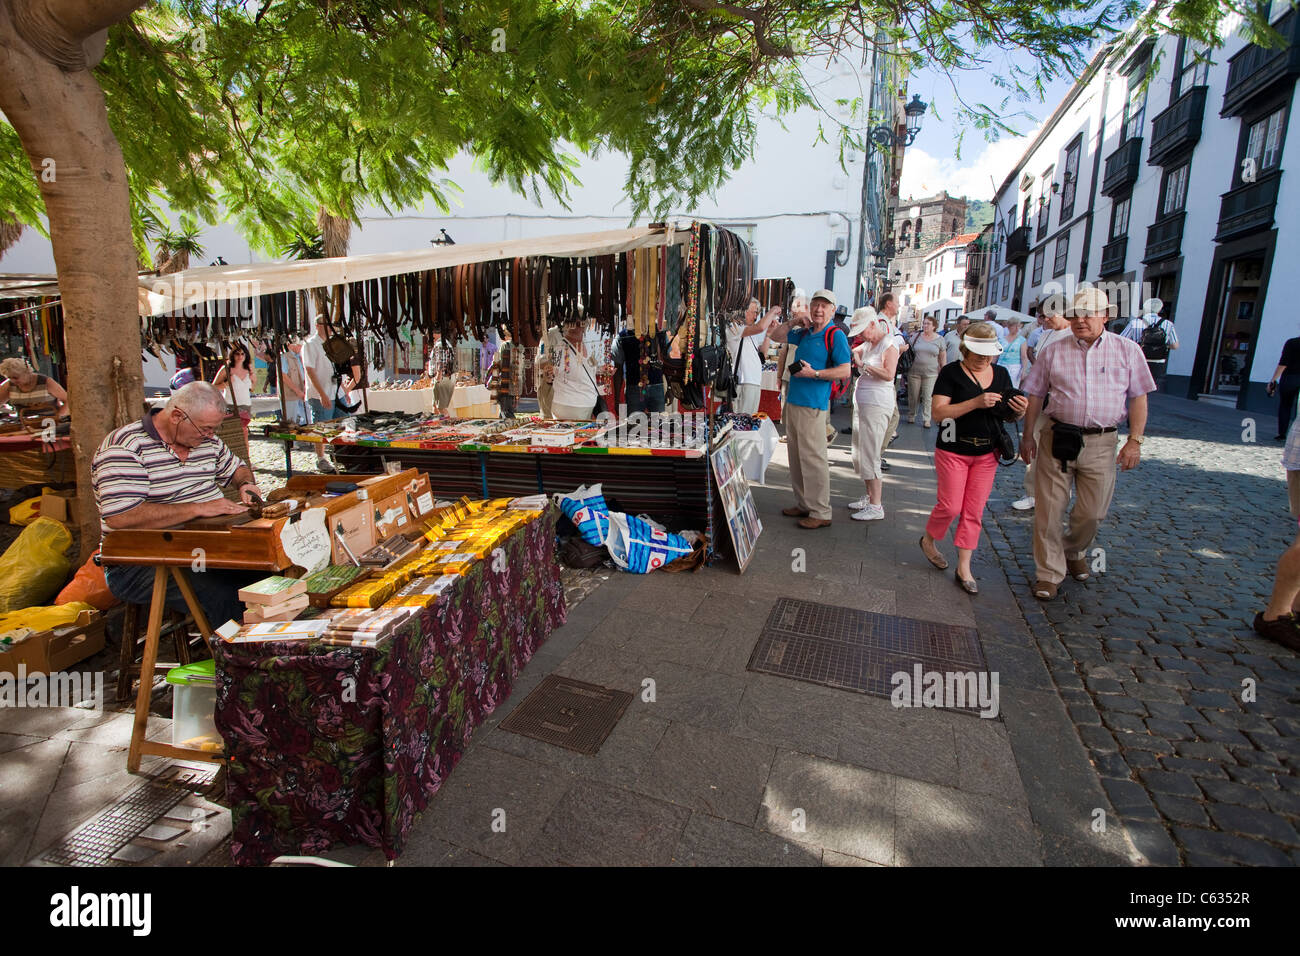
[884, 134]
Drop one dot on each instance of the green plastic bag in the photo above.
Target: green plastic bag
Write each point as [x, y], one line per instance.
[33, 569]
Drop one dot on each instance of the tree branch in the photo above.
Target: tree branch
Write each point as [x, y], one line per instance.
[69, 33]
[761, 40]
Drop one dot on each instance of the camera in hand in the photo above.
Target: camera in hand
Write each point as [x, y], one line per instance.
[797, 366]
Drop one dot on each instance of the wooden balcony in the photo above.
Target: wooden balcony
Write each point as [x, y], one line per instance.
[1018, 246]
[1113, 255]
[1175, 131]
[1258, 69]
[1122, 167]
[1165, 238]
[1248, 208]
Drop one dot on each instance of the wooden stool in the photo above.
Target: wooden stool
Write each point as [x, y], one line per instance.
[176, 625]
[140, 746]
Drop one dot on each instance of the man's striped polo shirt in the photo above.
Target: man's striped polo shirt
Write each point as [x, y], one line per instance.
[134, 465]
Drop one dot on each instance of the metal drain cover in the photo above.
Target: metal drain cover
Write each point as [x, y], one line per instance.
[860, 650]
[101, 842]
[569, 713]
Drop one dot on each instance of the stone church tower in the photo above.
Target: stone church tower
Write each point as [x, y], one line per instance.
[919, 226]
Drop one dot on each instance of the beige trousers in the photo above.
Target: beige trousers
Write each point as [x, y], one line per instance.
[920, 388]
[1032, 467]
[889, 429]
[810, 469]
[1093, 477]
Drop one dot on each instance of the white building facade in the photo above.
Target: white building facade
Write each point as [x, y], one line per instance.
[1176, 189]
[943, 280]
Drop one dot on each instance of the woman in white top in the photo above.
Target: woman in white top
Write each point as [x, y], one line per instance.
[572, 371]
[929, 354]
[876, 359]
[237, 377]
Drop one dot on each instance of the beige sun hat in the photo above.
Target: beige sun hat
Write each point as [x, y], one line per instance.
[862, 318]
[1089, 300]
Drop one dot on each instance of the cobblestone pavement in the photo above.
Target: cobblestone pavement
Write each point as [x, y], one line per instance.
[1154, 657]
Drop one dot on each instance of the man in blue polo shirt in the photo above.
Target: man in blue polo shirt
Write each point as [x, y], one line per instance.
[807, 406]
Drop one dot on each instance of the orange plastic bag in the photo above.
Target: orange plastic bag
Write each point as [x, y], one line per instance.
[89, 586]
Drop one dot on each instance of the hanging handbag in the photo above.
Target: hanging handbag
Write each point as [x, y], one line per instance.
[1003, 444]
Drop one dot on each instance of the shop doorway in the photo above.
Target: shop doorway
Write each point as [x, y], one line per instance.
[1236, 329]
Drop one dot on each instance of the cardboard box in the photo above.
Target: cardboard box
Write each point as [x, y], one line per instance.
[58, 649]
[357, 527]
[60, 505]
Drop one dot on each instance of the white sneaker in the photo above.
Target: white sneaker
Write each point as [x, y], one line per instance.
[869, 513]
[859, 504]
[1024, 504]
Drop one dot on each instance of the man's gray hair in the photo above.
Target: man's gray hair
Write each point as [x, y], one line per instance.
[196, 397]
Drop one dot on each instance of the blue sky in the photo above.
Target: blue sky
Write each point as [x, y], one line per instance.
[932, 164]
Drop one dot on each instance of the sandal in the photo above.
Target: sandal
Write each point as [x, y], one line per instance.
[939, 561]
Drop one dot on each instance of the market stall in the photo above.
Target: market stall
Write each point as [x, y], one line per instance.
[664, 474]
[311, 766]
[27, 459]
[682, 281]
[429, 608]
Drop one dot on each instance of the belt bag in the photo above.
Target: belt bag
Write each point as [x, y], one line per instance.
[1067, 442]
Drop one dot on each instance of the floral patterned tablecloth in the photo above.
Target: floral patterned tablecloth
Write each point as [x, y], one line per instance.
[333, 745]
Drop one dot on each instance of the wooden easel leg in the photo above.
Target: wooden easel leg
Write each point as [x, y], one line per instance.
[147, 661]
[196, 609]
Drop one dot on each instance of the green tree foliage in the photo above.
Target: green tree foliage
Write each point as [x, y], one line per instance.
[265, 112]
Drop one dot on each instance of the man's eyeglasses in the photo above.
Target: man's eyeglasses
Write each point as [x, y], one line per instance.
[203, 432]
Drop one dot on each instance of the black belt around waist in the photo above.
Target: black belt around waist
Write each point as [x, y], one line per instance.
[1093, 431]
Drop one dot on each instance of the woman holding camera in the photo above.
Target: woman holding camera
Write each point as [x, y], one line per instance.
[971, 399]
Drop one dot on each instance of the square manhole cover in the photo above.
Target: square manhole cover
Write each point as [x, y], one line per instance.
[101, 842]
[862, 651]
[569, 714]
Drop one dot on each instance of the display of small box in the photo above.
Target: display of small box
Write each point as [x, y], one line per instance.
[392, 516]
[194, 706]
[58, 648]
[357, 527]
[60, 505]
[322, 586]
[420, 501]
[557, 437]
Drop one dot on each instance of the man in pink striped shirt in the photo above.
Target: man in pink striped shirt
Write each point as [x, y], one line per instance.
[1090, 382]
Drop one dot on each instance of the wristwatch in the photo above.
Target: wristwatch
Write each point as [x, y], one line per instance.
[1137, 438]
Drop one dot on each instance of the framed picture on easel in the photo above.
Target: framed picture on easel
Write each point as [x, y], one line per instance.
[737, 500]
